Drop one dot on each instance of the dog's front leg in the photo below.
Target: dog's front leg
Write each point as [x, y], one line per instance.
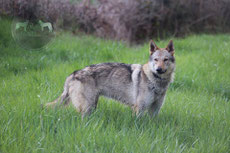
[156, 106]
[138, 108]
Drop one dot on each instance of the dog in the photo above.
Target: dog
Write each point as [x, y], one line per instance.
[142, 87]
[47, 24]
[22, 25]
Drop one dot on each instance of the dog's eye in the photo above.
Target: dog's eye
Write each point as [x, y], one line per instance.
[156, 59]
[166, 59]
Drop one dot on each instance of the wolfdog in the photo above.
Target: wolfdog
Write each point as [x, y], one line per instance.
[143, 87]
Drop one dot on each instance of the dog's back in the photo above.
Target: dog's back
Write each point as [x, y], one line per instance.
[112, 80]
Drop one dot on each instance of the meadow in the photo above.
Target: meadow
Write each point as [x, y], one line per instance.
[194, 118]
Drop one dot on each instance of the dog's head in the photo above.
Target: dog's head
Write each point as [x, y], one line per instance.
[162, 60]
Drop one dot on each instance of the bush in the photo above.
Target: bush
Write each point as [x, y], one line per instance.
[129, 20]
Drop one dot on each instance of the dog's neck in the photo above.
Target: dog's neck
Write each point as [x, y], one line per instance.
[155, 78]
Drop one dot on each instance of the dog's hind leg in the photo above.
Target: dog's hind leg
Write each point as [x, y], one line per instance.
[90, 104]
[84, 97]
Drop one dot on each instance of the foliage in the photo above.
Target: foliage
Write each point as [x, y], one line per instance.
[129, 20]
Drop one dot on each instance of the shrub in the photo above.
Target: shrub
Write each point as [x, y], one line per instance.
[129, 20]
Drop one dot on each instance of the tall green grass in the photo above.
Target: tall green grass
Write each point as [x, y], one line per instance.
[194, 118]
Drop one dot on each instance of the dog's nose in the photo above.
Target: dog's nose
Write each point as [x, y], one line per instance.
[159, 70]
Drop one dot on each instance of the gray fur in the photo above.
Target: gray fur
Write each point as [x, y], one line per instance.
[139, 86]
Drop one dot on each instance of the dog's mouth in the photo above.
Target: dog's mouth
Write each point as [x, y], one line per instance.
[161, 72]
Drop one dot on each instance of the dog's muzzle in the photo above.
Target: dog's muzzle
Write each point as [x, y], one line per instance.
[160, 71]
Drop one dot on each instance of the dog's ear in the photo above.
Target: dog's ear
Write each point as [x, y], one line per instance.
[153, 47]
[170, 47]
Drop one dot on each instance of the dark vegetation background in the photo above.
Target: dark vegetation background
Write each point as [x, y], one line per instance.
[128, 20]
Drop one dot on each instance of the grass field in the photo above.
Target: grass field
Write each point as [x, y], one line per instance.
[195, 116]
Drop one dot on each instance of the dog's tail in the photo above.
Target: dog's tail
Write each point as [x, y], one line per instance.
[64, 99]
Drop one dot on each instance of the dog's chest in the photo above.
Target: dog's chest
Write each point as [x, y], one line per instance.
[154, 94]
